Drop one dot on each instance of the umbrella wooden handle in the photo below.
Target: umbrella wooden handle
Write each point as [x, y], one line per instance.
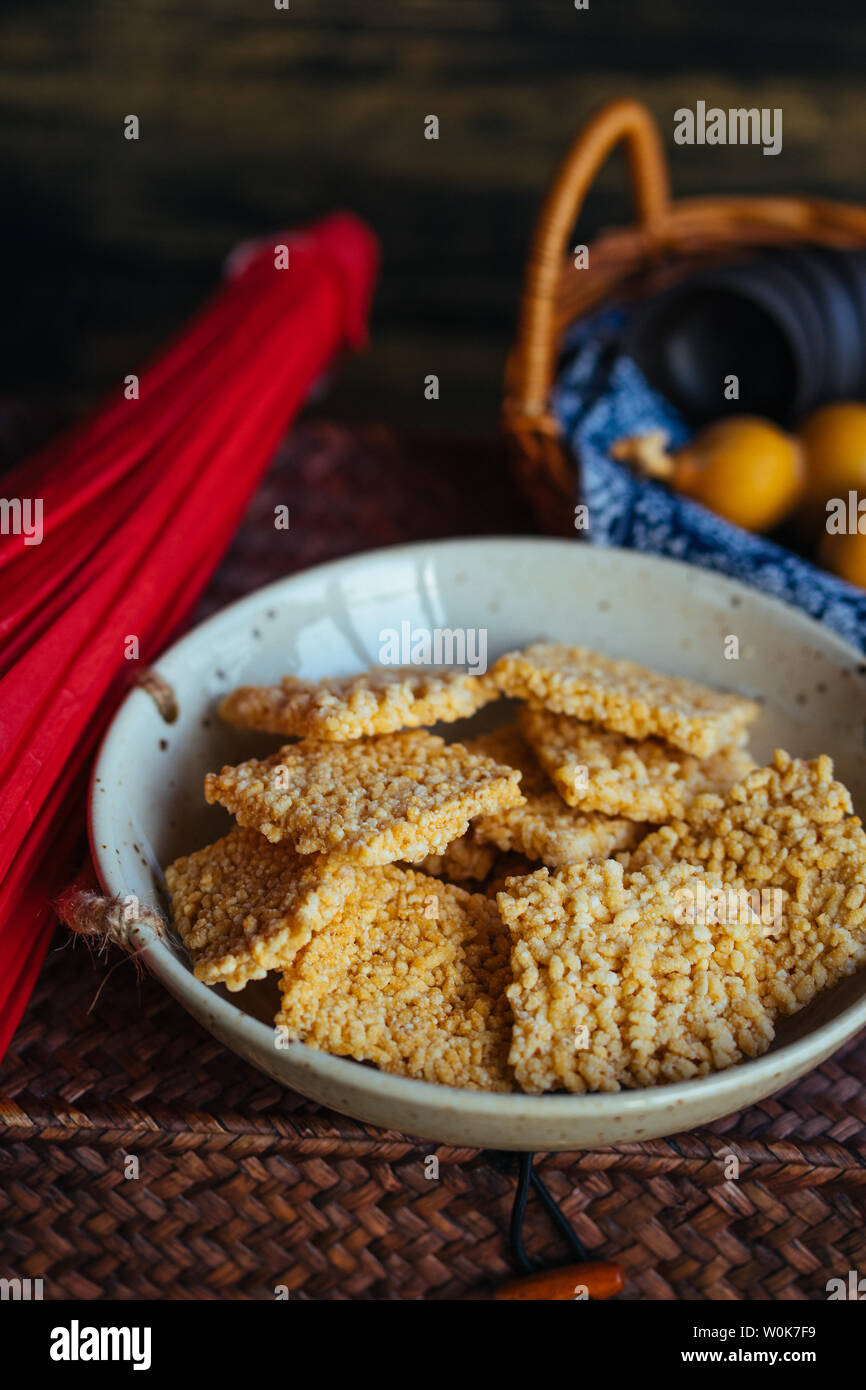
[600, 1280]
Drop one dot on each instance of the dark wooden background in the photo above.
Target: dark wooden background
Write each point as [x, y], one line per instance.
[253, 118]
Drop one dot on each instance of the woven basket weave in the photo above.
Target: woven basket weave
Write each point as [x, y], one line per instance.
[668, 240]
[243, 1186]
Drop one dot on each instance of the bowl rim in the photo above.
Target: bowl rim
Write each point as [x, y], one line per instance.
[788, 1061]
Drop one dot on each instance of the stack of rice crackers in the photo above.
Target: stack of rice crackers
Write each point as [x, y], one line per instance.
[527, 909]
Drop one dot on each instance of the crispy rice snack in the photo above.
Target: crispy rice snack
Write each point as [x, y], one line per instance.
[379, 701]
[464, 861]
[643, 779]
[243, 906]
[412, 977]
[401, 796]
[625, 697]
[785, 830]
[544, 827]
[610, 990]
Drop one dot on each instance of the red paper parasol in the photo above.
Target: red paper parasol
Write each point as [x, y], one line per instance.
[138, 505]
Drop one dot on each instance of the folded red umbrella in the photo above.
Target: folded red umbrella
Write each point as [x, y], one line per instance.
[138, 505]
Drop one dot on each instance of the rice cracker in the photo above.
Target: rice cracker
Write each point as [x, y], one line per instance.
[380, 701]
[412, 977]
[463, 861]
[401, 796]
[625, 697]
[610, 990]
[243, 906]
[643, 779]
[543, 827]
[787, 832]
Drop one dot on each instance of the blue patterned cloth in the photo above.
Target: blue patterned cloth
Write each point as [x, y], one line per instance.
[601, 395]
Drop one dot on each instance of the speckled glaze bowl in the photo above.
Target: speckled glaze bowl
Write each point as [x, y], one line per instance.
[147, 805]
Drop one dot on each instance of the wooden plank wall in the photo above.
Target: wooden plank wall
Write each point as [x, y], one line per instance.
[253, 118]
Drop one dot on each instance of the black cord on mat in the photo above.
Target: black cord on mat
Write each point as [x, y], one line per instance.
[526, 1177]
[519, 1256]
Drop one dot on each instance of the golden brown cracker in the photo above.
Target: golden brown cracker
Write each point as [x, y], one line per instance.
[464, 861]
[785, 836]
[543, 827]
[611, 989]
[412, 977]
[380, 701]
[625, 697]
[243, 906]
[400, 796]
[595, 769]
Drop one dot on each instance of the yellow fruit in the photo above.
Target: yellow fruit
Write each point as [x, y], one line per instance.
[746, 469]
[834, 445]
[845, 555]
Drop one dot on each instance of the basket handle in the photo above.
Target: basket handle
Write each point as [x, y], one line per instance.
[533, 361]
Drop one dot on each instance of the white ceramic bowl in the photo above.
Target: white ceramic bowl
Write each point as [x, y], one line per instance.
[147, 805]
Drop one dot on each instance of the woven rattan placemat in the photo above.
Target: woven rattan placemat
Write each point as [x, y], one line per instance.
[243, 1186]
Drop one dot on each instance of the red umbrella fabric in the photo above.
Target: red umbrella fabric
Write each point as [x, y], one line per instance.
[136, 508]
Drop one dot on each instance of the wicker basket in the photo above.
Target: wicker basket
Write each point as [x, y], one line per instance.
[668, 241]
